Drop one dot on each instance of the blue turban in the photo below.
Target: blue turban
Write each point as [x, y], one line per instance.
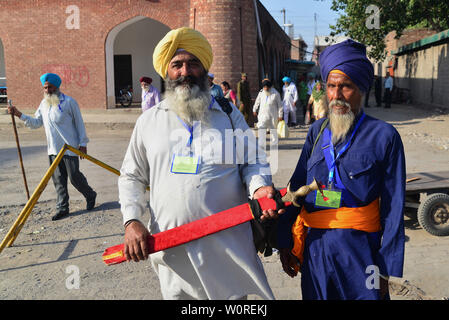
[350, 58]
[53, 78]
[286, 79]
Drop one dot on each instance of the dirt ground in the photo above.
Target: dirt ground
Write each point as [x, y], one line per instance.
[47, 255]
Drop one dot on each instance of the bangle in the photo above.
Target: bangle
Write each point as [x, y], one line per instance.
[129, 222]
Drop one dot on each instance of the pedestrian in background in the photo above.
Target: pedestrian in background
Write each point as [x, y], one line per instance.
[290, 97]
[388, 85]
[244, 97]
[378, 90]
[268, 108]
[150, 95]
[229, 93]
[215, 89]
[318, 103]
[61, 117]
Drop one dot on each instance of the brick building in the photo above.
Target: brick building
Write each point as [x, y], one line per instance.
[97, 47]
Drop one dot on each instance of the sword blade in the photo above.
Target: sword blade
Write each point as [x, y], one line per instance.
[194, 230]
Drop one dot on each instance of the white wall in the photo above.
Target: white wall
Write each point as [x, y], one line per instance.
[139, 40]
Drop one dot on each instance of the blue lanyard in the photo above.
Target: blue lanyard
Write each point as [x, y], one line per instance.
[342, 150]
[191, 129]
[59, 104]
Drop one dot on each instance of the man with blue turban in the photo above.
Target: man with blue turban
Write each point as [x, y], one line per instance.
[290, 97]
[348, 240]
[61, 117]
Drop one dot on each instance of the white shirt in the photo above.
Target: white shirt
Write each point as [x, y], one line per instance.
[269, 108]
[63, 124]
[150, 98]
[290, 94]
[223, 265]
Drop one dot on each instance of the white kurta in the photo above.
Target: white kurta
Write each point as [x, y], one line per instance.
[62, 123]
[289, 101]
[269, 108]
[224, 265]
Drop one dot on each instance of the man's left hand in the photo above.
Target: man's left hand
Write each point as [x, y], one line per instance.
[83, 150]
[269, 192]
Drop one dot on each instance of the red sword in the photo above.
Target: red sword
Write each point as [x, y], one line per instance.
[213, 223]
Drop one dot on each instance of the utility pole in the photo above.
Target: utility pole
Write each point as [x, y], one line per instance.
[283, 11]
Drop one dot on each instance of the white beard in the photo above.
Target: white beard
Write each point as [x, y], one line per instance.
[340, 123]
[51, 99]
[190, 104]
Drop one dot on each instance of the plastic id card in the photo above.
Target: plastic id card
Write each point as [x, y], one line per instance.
[185, 164]
[331, 199]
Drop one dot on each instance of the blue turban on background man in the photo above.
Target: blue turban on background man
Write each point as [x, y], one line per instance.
[52, 78]
[348, 57]
[286, 79]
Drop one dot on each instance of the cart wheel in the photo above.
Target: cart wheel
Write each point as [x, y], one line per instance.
[433, 214]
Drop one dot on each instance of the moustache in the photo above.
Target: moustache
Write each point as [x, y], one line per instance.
[337, 102]
[186, 80]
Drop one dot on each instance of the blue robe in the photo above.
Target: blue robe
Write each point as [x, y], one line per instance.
[338, 262]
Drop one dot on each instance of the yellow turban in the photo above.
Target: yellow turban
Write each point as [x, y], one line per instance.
[183, 38]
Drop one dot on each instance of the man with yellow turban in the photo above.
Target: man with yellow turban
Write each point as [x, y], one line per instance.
[349, 239]
[174, 149]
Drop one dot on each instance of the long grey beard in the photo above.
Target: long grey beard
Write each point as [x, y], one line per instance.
[340, 124]
[52, 99]
[190, 103]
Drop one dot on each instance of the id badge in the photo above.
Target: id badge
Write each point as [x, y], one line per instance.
[331, 199]
[185, 164]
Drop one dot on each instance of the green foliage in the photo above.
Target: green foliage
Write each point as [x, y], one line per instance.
[394, 15]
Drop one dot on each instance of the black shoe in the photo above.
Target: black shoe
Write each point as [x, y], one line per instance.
[60, 215]
[91, 202]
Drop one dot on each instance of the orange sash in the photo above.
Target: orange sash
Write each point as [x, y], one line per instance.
[362, 218]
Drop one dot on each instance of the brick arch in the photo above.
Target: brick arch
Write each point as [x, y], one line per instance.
[109, 54]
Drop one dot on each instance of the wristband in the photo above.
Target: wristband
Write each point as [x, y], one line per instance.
[129, 221]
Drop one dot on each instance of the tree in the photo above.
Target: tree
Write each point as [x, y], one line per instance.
[369, 21]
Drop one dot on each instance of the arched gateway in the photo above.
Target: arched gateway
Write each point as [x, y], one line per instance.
[129, 55]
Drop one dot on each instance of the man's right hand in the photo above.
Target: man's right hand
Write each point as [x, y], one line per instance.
[14, 111]
[136, 241]
[289, 262]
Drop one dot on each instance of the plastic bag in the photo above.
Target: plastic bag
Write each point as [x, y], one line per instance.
[282, 129]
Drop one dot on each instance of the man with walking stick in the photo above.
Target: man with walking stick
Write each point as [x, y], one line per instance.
[63, 123]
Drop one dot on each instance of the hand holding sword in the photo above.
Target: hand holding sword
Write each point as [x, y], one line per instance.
[139, 243]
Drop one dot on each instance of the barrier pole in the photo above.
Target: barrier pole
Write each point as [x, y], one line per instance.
[26, 211]
[96, 161]
[23, 216]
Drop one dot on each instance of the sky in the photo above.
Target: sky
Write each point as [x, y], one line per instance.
[301, 14]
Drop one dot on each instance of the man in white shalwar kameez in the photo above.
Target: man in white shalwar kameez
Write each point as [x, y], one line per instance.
[224, 265]
[290, 94]
[268, 108]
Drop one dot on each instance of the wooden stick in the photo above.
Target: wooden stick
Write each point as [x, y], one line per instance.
[412, 179]
[19, 152]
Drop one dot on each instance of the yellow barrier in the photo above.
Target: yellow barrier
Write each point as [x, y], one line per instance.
[26, 211]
